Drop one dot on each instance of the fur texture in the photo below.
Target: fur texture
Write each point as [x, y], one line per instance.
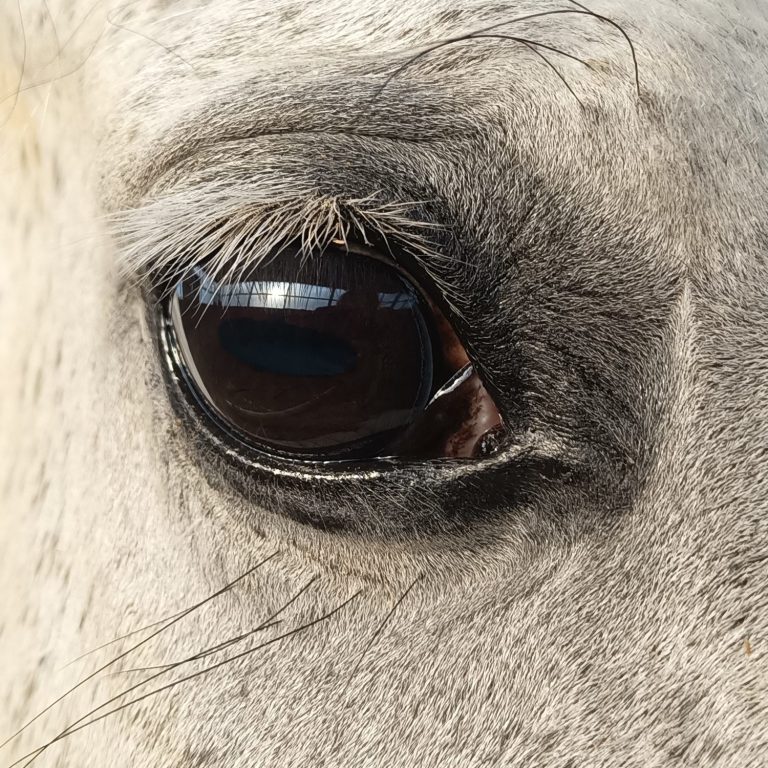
[599, 598]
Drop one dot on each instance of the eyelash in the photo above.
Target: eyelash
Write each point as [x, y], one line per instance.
[242, 235]
[456, 387]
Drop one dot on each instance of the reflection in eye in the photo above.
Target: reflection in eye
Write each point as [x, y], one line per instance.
[282, 295]
[338, 357]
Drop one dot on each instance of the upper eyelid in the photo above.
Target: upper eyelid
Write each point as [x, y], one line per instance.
[343, 98]
[224, 136]
[167, 236]
[243, 171]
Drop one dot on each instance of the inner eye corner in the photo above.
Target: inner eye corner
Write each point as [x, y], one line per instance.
[330, 359]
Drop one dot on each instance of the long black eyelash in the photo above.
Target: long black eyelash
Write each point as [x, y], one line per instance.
[582, 11]
[70, 731]
[122, 655]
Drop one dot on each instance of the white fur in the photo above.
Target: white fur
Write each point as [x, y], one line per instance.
[613, 635]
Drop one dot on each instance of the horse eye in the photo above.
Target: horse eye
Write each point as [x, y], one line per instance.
[334, 357]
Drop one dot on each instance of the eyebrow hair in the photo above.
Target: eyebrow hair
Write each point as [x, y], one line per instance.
[416, 113]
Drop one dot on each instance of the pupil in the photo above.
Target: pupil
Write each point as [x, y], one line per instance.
[268, 346]
[334, 357]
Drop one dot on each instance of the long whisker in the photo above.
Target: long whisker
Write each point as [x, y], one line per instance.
[532, 47]
[18, 90]
[53, 26]
[35, 754]
[202, 655]
[582, 11]
[267, 623]
[163, 670]
[166, 48]
[61, 76]
[377, 634]
[139, 644]
[624, 34]
[550, 48]
[122, 637]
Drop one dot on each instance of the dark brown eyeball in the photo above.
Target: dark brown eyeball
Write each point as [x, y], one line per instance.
[336, 356]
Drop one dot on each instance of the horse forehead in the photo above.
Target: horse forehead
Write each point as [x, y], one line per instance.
[279, 29]
[342, 23]
[145, 34]
[152, 36]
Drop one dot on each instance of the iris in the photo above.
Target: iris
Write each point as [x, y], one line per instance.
[335, 356]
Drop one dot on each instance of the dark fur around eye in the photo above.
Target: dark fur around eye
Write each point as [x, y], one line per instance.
[368, 493]
[570, 356]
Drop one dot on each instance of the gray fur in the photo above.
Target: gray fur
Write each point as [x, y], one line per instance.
[608, 253]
